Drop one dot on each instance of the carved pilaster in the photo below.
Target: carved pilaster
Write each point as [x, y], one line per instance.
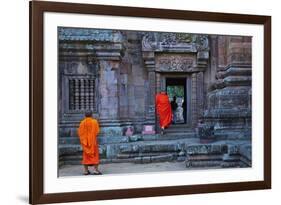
[200, 94]
[149, 63]
[194, 99]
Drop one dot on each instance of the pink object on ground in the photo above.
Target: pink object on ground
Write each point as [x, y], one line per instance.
[148, 130]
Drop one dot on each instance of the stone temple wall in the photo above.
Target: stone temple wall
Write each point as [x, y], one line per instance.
[117, 73]
[109, 63]
[229, 94]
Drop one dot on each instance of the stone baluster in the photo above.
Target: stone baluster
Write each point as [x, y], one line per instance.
[82, 94]
[76, 94]
[91, 93]
[71, 94]
[86, 85]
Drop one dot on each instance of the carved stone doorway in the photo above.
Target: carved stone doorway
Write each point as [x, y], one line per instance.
[176, 90]
[164, 80]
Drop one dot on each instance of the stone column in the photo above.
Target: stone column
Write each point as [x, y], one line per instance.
[149, 63]
[108, 81]
[228, 100]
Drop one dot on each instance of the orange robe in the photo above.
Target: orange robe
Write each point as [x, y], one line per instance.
[87, 132]
[164, 110]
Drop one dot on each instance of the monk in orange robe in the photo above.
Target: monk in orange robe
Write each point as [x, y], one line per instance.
[88, 132]
[164, 110]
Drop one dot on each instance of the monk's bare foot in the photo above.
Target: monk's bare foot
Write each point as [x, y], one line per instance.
[86, 172]
[97, 172]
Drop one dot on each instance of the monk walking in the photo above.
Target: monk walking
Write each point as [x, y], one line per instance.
[164, 110]
[87, 132]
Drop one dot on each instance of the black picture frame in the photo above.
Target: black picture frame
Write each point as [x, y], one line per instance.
[37, 9]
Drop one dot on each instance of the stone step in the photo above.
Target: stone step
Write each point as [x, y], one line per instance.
[191, 145]
[166, 136]
[180, 126]
[132, 147]
[178, 131]
[145, 154]
[177, 127]
[145, 158]
[134, 138]
[151, 151]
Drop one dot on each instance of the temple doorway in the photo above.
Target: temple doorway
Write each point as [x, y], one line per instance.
[176, 90]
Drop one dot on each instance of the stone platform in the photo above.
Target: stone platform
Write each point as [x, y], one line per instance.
[126, 168]
[174, 147]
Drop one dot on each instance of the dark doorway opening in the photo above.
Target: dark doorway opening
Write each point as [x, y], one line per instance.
[176, 90]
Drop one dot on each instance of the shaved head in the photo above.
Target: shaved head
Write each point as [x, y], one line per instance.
[88, 113]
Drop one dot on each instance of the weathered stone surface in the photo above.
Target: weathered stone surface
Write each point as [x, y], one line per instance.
[231, 158]
[203, 164]
[206, 133]
[204, 157]
[245, 151]
[135, 138]
[205, 149]
[233, 149]
[181, 158]
[113, 139]
[116, 74]
[111, 151]
[228, 155]
[163, 158]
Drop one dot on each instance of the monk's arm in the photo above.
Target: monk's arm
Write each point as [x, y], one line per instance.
[79, 131]
[81, 134]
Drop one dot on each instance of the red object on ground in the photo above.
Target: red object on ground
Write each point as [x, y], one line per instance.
[88, 131]
[164, 110]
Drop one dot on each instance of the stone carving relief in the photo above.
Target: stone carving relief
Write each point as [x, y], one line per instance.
[160, 41]
[71, 68]
[178, 118]
[202, 43]
[175, 63]
[84, 34]
[148, 42]
[175, 38]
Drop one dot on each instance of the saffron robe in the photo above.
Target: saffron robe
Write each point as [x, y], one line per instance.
[164, 110]
[87, 132]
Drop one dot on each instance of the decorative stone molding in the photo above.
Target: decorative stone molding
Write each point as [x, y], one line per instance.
[175, 42]
[83, 44]
[84, 34]
[174, 63]
[161, 48]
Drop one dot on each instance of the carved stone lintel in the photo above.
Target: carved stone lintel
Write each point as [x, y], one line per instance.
[175, 63]
[85, 34]
[175, 41]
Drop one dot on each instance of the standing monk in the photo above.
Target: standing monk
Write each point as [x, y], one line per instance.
[164, 110]
[87, 132]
